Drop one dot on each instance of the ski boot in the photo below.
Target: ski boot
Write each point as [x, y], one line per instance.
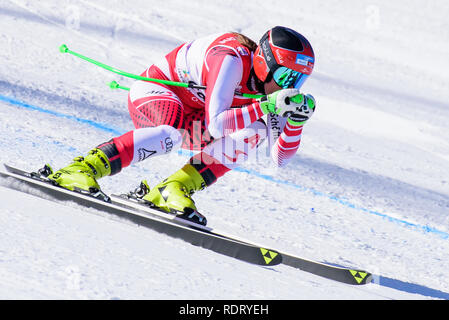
[82, 174]
[174, 194]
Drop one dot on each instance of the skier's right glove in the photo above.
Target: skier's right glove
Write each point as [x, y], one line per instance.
[304, 113]
[289, 103]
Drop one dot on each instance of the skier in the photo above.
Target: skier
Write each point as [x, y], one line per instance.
[227, 128]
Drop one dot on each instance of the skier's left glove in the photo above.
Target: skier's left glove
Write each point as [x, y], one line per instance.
[303, 113]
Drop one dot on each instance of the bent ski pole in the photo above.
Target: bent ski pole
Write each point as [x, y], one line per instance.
[64, 49]
[114, 85]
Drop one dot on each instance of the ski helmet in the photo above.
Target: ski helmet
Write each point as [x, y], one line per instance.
[286, 56]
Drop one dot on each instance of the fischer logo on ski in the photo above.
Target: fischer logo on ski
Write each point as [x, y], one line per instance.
[358, 275]
[268, 255]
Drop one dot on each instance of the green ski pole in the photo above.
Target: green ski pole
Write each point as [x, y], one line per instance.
[114, 85]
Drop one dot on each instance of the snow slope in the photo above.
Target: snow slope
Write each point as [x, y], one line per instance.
[369, 188]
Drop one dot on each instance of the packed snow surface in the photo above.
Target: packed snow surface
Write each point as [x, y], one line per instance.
[368, 189]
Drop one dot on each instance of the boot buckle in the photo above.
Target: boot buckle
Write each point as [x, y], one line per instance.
[45, 171]
[141, 190]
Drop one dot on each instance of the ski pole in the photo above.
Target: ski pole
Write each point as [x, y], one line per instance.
[114, 85]
[64, 49]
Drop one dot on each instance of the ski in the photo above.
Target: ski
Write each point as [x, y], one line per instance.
[180, 229]
[340, 274]
[336, 273]
[196, 234]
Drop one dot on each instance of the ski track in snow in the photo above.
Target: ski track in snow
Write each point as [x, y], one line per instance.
[368, 189]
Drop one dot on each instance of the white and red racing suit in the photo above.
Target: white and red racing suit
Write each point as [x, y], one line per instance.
[226, 128]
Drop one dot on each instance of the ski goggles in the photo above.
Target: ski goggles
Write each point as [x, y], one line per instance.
[288, 78]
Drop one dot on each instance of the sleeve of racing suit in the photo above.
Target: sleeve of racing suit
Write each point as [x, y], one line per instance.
[286, 145]
[224, 72]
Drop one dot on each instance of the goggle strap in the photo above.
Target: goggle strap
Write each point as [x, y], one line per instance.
[268, 54]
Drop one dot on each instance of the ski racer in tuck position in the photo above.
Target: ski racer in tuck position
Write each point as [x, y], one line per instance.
[227, 128]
